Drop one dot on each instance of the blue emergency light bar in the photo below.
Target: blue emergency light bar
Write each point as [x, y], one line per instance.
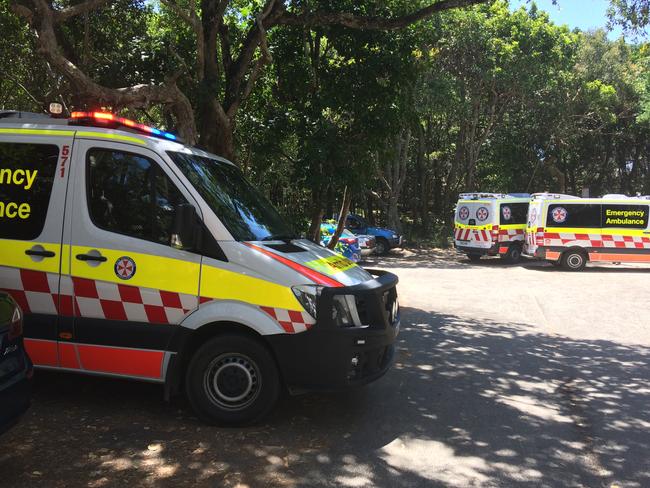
[103, 119]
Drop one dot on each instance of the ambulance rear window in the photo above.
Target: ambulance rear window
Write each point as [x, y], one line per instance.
[514, 213]
[26, 180]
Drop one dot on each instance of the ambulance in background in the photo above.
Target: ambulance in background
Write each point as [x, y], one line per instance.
[491, 224]
[571, 231]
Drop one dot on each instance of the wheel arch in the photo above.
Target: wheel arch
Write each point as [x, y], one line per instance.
[575, 248]
[226, 318]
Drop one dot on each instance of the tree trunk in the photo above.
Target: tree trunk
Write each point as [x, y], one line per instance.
[343, 215]
[316, 218]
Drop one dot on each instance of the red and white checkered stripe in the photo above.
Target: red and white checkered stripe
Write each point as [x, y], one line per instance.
[291, 321]
[507, 235]
[473, 235]
[595, 240]
[36, 292]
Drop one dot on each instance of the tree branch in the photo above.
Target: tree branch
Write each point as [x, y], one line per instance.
[192, 20]
[42, 20]
[80, 8]
[264, 59]
[322, 18]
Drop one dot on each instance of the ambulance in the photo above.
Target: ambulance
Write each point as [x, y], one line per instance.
[571, 231]
[491, 224]
[136, 256]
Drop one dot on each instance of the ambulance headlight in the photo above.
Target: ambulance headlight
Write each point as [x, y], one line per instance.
[344, 311]
[308, 295]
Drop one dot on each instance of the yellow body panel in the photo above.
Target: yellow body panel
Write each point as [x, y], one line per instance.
[152, 271]
[474, 227]
[331, 264]
[112, 137]
[38, 132]
[12, 254]
[227, 285]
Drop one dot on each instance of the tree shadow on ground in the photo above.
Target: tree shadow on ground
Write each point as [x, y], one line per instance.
[467, 403]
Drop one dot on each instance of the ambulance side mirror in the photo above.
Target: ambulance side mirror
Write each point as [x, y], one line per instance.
[186, 228]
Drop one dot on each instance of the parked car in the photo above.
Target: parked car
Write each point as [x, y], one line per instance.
[367, 244]
[386, 239]
[348, 244]
[15, 366]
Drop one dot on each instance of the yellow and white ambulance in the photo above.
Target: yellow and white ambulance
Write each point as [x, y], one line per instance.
[491, 224]
[136, 256]
[571, 231]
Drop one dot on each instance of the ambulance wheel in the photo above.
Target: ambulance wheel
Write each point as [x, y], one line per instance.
[574, 260]
[513, 256]
[475, 258]
[232, 380]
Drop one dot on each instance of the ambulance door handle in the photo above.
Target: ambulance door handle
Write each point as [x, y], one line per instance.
[91, 257]
[40, 252]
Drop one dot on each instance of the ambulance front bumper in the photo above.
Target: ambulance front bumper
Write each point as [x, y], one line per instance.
[329, 357]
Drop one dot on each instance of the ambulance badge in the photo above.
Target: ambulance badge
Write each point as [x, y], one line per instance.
[506, 212]
[482, 213]
[559, 214]
[124, 268]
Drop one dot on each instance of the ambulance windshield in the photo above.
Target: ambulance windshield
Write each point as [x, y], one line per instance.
[242, 209]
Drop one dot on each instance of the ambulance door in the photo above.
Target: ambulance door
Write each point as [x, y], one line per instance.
[33, 178]
[132, 283]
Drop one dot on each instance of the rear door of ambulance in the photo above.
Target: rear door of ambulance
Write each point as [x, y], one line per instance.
[131, 286]
[34, 171]
[476, 219]
[534, 226]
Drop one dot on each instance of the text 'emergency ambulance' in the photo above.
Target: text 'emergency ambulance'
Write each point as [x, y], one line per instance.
[24, 178]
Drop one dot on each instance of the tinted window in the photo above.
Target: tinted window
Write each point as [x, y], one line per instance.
[26, 179]
[626, 216]
[514, 213]
[244, 211]
[130, 194]
[573, 215]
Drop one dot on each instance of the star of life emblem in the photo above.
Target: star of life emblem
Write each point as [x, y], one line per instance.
[559, 214]
[124, 268]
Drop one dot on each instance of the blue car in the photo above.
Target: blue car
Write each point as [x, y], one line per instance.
[386, 239]
[348, 244]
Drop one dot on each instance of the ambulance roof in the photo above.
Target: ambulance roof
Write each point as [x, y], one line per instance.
[612, 197]
[475, 196]
[26, 121]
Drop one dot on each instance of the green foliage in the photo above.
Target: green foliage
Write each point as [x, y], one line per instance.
[483, 98]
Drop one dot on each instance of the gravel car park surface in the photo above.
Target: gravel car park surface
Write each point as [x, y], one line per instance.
[506, 375]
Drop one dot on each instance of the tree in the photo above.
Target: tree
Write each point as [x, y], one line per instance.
[229, 54]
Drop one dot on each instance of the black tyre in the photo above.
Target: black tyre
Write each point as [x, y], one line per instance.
[382, 246]
[513, 256]
[232, 380]
[475, 258]
[574, 260]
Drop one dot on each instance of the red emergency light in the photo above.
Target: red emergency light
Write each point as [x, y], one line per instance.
[99, 119]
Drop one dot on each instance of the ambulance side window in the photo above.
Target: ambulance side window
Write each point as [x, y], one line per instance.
[573, 215]
[27, 174]
[130, 194]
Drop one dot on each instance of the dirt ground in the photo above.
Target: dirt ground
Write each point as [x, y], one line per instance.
[506, 376]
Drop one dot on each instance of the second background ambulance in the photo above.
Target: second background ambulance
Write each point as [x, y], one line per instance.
[491, 224]
[571, 231]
